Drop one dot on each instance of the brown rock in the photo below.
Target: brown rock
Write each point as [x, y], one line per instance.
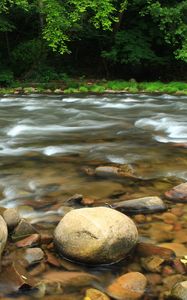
[14, 278]
[152, 263]
[154, 279]
[56, 283]
[170, 281]
[23, 230]
[93, 294]
[177, 211]
[169, 218]
[140, 219]
[178, 266]
[179, 249]
[181, 237]
[161, 232]
[147, 250]
[38, 269]
[130, 286]
[87, 201]
[46, 238]
[52, 260]
[29, 241]
[108, 171]
[178, 193]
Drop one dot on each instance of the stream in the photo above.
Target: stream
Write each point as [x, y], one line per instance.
[49, 144]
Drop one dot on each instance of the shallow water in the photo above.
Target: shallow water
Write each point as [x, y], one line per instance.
[47, 142]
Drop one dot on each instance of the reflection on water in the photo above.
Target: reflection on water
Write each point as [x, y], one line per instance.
[46, 143]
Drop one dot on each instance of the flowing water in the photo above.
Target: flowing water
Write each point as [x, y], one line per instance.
[47, 143]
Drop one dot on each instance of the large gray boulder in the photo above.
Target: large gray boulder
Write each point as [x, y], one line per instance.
[97, 235]
[3, 235]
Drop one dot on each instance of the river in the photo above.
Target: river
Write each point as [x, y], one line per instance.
[49, 142]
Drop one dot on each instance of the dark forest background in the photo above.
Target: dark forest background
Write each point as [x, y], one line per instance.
[49, 40]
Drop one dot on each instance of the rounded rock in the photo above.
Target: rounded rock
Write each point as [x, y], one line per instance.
[97, 235]
[3, 234]
[179, 291]
[130, 286]
[11, 217]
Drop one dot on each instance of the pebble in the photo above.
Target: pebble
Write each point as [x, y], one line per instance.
[29, 241]
[148, 250]
[130, 286]
[179, 249]
[23, 230]
[179, 291]
[178, 193]
[152, 263]
[93, 294]
[33, 255]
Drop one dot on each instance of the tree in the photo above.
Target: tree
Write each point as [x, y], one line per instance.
[61, 19]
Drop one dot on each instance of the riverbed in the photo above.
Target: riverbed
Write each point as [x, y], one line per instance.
[50, 146]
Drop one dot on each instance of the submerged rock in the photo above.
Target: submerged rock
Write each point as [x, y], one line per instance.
[15, 278]
[3, 235]
[141, 205]
[179, 249]
[55, 283]
[23, 230]
[130, 286]
[33, 255]
[93, 294]
[179, 291]
[11, 217]
[147, 250]
[108, 171]
[178, 193]
[97, 235]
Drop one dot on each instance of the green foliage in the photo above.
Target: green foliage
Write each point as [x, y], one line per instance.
[97, 88]
[6, 78]
[106, 34]
[131, 46]
[171, 20]
[26, 54]
[83, 89]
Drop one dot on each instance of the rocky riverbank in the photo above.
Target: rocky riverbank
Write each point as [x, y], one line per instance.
[34, 261]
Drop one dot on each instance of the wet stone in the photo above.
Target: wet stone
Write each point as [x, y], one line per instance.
[141, 205]
[113, 171]
[11, 217]
[3, 235]
[147, 250]
[179, 249]
[33, 255]
[178, 193]
[93, 294]
[14, 278]
[179, 291]
[56, 283]
[130, 286]
[152, 263]
[23, 229]
[29, 241]
[95, 235]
